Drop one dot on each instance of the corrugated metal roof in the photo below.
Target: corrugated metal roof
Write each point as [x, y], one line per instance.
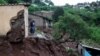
[90, 47]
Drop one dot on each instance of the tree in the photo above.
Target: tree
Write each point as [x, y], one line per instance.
[39, 2]
[18, 1]
[57, 12]
[79, 24]
[33, 8]
[95, 34]
[39, 5]
[27, 1]
[11, 1]
[51, 3]
[2, 1]
[73, 25]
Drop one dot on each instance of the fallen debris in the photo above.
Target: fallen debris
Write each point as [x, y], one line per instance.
[32, 47]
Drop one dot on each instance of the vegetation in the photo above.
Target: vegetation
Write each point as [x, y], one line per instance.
[58, 11]
[17, 1]
[90, 42]
[36, 5]
[72, 24]
[79, 24]
[2, 2]
[39, 5]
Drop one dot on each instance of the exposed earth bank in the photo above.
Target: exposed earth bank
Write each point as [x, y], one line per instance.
[32, 47]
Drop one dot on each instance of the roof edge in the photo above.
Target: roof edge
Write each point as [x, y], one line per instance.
[25, 4]
[96, 48]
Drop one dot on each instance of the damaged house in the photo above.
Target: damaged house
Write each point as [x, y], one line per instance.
[12, 17]
[43, 19]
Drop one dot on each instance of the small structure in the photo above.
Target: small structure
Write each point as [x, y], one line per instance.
[43, 19]
[81, 5]
[86, 50]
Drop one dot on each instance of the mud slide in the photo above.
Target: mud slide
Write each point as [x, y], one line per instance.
[32, 47]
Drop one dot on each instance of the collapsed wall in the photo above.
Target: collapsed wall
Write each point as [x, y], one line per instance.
[6, 14]
[17, 28]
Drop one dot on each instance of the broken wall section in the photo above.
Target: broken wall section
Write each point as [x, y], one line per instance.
[6, 14]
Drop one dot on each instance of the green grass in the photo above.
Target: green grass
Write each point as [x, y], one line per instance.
[90, 43]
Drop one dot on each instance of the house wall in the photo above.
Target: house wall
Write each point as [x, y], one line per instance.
[26, 22]
[80, 49]
[6, 14]
[47, 14]
[38, 20]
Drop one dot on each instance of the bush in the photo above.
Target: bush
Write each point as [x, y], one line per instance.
[95, 34]
[2, 1]
[72, 24]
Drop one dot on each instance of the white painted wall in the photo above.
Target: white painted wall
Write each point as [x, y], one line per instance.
[26, 21]
[6, 14]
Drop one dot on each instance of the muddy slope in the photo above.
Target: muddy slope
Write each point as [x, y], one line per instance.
[32, 47]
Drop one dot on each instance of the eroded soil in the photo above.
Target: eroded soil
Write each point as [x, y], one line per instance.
[32, 47]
